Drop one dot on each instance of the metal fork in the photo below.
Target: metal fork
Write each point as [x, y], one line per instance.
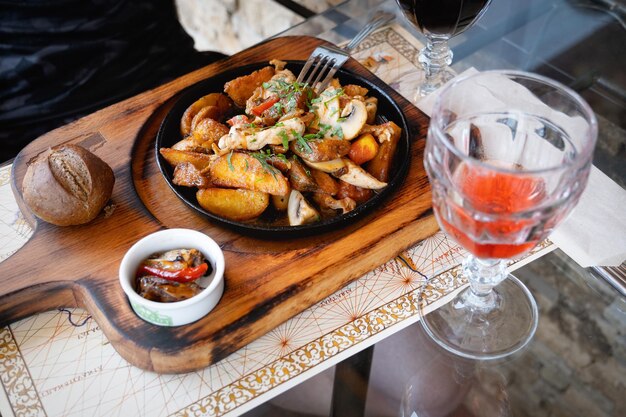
[324, 62]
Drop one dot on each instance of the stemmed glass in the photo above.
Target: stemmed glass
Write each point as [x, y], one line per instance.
[439, 20]
[508, 155]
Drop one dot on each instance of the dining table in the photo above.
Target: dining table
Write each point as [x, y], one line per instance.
[360, 349]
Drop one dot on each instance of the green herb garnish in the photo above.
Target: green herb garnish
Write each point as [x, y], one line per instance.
[285, 138]
[301, 142]
[262, 157]
[228, 159]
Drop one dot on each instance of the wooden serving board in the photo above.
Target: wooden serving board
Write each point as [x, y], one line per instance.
[267, 281]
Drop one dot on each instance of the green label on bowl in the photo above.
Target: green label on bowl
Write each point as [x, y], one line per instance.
[152, 316]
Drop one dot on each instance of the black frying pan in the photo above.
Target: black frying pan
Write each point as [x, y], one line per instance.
[266, 226]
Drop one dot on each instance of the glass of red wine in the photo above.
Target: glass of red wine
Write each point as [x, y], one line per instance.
[439, 20]
[508, 155]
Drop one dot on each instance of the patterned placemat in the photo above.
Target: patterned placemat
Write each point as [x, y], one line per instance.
[60, 363]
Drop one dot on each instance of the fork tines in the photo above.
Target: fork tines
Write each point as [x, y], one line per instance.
[321, 67]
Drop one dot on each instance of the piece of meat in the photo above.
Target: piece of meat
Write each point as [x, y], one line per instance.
[206, 133]
[320, 150]
[358, 194]
[384, 132]
[355, 90]
[241, 88]
[325, 183]
[371, 106]
[300, 178]
[254, 138]
[282, 164]
[187, 175]
[278, 64]
[287, 104]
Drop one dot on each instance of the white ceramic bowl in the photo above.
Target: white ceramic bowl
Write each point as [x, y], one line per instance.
[180, 312]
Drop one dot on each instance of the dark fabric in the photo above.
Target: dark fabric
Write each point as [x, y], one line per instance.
[62, 59]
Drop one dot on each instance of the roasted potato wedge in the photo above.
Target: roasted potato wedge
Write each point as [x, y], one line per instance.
[233, 204]
[201, 139]
[241, 88]
[194, 144]
[208, 112]
[209, 130]
[242, 170]
[175, 157]
[280, 202]
[218, 100]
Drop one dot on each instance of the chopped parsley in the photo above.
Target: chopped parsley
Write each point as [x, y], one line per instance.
[301, 142]
[263, 157]
[324, 128]
[338, 132]
[278, 106]
[285, 138]
[230, 163]
[288, 93]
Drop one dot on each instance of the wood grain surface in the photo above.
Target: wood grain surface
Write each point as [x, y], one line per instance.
[267, 281]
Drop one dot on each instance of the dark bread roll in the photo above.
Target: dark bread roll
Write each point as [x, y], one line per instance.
[67, 185]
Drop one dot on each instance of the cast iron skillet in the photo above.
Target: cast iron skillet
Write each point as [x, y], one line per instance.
[169, 134]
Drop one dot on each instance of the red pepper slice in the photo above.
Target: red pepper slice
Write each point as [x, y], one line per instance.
[258, 110]
[240, 119]
[182, 275]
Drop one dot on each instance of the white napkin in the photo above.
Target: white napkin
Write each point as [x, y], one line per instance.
[595, 232]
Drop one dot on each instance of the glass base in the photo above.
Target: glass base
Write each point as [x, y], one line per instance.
[477, 333]
[434, 83]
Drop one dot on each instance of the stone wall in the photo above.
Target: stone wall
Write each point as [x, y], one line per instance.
[232, 25]
[576, 364]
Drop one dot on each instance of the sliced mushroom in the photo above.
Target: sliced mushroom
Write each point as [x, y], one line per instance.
[299, 210]
[175, 259]
[165, 291]
[359, 177]
[335, 167]
[327, 202]
[350, 119]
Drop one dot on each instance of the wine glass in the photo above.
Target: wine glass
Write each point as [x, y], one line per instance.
[508, 155]
[439, 20]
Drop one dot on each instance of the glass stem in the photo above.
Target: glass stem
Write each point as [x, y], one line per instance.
[435, 58]
[483, 275]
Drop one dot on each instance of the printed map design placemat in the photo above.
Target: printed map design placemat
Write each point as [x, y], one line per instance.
[60, 363]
